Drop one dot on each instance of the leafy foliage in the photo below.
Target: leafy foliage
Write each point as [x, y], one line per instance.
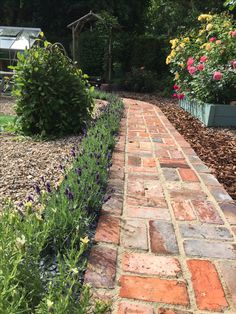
[140, 80]
[52, 95]
[54, 232]
[203, 60]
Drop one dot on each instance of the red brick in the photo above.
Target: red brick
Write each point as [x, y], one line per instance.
[173, 163]
[141, 169]
[132, 308]
[108, 229]
[135, 235]
[101, 270]
[234, 230]
[162, 237]
[153, 189]
[172, 311]
[207, 286]
[154, 290]
[229, 274]
[188, 175]
[158, 202]
[176, 154]
[183, 211]
[207, 212]
[148, 212]
[134, 161]
[140, 263]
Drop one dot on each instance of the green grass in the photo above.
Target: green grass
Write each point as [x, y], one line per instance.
[4, 120]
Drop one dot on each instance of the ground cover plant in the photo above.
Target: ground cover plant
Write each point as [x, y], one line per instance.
[53, 96]
[43, 244]
[204, 60]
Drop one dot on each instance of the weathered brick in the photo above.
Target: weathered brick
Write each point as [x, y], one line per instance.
[153, 189]
[132, 308]
[229, 210]
[229, 274]
[134, 161]
[207, 212]
[135, 235]
[115, 186]
[154, 290]
[209, 179]
[162, 237]
[140, 263]
[136, 188]
[220, 194]
[172, 311]
[183, 211]
[113, 205]
[188, 175]
[170, 174]
[187, 194]
[158, 202]
[148, 212]
[205, 231]
[101, 269]
[201, 168]
[149, 162]
[173, 163]
[176, 154]
[207, 286]
[203, 248]
[108, 229]
[234, 230]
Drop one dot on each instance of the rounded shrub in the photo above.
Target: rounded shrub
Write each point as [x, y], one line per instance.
[53, 96]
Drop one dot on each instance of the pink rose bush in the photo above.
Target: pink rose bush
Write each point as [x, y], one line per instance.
[203, 60]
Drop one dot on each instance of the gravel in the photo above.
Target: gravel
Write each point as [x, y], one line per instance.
[25, 162]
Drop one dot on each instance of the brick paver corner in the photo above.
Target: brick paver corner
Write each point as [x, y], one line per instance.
[166, 237]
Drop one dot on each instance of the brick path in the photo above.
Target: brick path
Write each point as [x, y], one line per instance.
[166, 239]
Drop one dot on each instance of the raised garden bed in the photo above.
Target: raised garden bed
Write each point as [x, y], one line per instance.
[210, 114]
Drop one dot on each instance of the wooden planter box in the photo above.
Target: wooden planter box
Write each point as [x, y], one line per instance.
[211, 114]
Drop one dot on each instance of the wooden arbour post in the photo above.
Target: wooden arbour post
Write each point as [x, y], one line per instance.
[77, 27]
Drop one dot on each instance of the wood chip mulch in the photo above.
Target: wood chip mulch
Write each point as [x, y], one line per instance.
[215, 146]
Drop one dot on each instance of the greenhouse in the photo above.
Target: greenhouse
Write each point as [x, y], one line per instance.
[13, 40]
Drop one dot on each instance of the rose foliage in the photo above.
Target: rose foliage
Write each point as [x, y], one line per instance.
[203, 60]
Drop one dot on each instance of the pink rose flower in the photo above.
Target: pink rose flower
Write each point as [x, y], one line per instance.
[200, 67]
[203, 59]
[190, 61]
[212, 39]
[233, 33]
[217, 76]
[176, 87]
[218, 42]
[192, 70]
[175, 95]
[180, 96]
[234, 64]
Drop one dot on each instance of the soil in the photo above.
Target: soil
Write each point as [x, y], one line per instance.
[215, 146]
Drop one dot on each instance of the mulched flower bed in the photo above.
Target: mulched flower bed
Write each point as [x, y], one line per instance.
[215, 146]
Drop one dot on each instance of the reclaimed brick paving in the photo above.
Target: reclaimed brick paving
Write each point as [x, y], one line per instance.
[166, 238]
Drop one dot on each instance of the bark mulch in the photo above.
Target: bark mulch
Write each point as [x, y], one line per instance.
[215, 146]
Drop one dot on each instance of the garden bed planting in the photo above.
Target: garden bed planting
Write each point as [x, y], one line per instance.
[58, 227]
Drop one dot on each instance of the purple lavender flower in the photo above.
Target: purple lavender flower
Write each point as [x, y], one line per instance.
[69, 194]
[37, 189]
[66, 177]
[48, 187]
[78, 171]
[97, 177]
[72, 152]
[30, 198]
[61, 167]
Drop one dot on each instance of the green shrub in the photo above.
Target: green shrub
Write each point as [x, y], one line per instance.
[52, 95]
[141, 80]
[56, 231]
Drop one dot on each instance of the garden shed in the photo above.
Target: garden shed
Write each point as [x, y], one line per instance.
[14, 40]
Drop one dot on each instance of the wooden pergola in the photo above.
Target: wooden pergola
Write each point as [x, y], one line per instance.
[77, 27]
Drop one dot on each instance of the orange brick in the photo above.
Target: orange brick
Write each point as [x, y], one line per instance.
[132, 308]
[188, 175]
[154, 290]
[149, 162]
[207, 286]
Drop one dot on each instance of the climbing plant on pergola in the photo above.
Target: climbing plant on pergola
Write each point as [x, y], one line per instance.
[77, 27]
